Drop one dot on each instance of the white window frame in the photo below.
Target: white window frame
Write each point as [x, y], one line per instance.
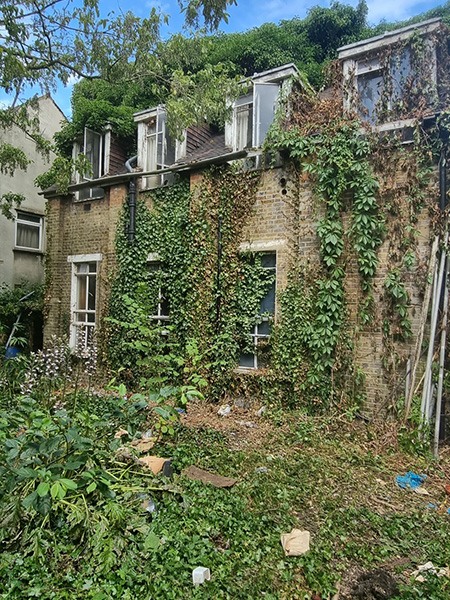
[256, 336]
[21, 219]
[278, 80]
[104, 153]
[75, 325]
[159, 317]
[153, 138]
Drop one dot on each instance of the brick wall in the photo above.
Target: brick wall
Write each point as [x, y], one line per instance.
[79, 228]
[284, 220]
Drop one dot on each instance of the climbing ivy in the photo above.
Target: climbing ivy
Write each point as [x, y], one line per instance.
[336, 159]
[214, 292]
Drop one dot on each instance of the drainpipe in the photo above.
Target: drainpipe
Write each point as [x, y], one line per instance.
[219, 271]
[131, 201]
[443, 177]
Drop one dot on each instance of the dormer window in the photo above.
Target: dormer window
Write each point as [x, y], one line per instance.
[157, 150]
[253, 115]
[391, 78]
[254, 112]
[96, 148]
[244, 122]
[381, 89]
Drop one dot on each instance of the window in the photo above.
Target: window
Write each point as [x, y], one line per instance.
[369, 82]
[93, 150]
[253, 115]
[254, 112]
[392, 78]
[156, 147]
[382, 89]
[162, 308]
[96, 148]
[28, 231]
[83, 298]
[261, 330]
[244, 122]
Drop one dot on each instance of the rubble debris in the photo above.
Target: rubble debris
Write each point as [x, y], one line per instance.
[241, 402]
[144, 444]
[410, 480]
[157, 464]
[224, 410]
[429, 568]
[200, 575]
[380, 481]
[296, 542]
[120, 433]
[248, 424]
[261, 470]
[149, 505]
[217, 481]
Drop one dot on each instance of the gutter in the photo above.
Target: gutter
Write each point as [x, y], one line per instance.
[124, 177]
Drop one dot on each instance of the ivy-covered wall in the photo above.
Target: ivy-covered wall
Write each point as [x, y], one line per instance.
[350, 267]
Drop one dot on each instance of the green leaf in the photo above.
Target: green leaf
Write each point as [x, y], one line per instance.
[43, 488]
[152, 541]
[29, 500]
[69, 484]
[91, 487]
[57, 491]
[43, 504]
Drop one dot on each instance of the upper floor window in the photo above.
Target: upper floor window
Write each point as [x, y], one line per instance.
[96, 148]
[157, 150]
[382, 88]
[28, 231]
[254, 112]
[392, 78]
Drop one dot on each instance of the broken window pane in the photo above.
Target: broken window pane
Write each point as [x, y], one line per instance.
[400, 71]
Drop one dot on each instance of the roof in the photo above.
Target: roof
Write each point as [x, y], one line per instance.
[211, 148]
[388, 37]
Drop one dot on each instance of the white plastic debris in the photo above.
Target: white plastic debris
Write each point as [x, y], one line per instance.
[296, 542]
[200, 575]
[224, 410]
[261, 411]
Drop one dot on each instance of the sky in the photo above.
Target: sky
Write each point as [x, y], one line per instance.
[246, 15]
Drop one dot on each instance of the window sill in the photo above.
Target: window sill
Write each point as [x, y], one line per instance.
[248, 371]
[29, 251]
